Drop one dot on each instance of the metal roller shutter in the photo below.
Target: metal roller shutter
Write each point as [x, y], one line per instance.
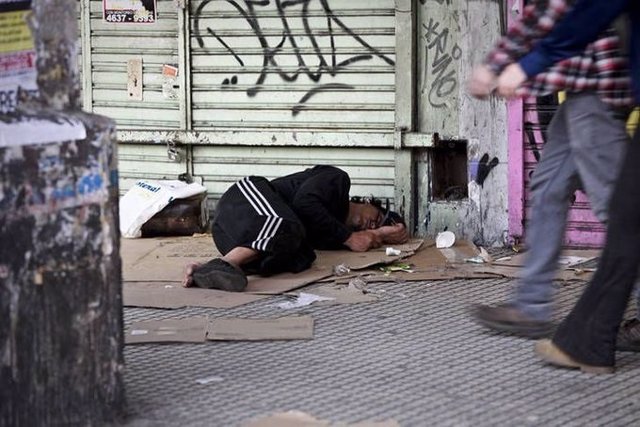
[107, 50]
[371, 170]
[312, 65]
[264, 88]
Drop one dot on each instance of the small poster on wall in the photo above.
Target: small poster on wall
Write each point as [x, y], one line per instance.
[130, 11]
[17, 54]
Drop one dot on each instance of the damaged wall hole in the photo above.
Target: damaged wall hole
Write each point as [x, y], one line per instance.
[449, 175]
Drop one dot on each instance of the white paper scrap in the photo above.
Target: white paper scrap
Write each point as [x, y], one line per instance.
[571, 260]
[209, 380]
[303, 300]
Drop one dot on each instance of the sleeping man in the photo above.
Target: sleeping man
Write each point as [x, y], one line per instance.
[268, 227]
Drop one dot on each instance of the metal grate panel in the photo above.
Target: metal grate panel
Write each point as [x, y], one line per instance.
[414, 356]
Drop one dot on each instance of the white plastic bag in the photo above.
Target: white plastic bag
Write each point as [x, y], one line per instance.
[146, 198]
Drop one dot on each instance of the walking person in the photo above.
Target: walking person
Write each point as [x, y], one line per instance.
[585, 142]
[587, 337]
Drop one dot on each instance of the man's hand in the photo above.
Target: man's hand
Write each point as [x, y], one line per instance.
[362, 241]
[482, 82]
[393, 234]
[511, 78]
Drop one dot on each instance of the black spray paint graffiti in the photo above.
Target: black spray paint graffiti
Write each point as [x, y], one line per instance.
[540, 111]
[484, 167]
[326, 64]
[440, 63]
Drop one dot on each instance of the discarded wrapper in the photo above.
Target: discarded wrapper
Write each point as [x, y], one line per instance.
[341, 269]
[446, 239]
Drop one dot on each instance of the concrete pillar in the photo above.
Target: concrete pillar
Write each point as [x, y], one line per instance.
[61, 335]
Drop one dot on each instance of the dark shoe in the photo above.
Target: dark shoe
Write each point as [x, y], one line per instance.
[219, 274]
[629, 336]
[550, 353]
[507, 318]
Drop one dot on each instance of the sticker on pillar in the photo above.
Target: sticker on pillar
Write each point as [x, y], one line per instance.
[134, 79]
[170, 81]
[129, 11]
[17, 55]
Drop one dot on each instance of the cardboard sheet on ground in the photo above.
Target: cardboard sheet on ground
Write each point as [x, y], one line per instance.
[568, 258]
[163, 259]
[171, 295]
[160, 262]
[189, 330]
[512, 267]
[361, 260]
[302, 419]
[340, 294]
[240, 329]
[430, 263]
[323, 267]
[284, 282]
[515, 272]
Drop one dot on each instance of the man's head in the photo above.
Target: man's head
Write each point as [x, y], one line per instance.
[368, 214]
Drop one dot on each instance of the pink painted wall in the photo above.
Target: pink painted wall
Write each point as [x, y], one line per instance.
[525, 140]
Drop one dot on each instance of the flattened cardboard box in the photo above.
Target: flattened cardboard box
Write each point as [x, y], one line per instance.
[163, 259]
[189, 330]
[302, 419]
[239, 329]
[153, 270]
[340, 294]
[171, 295]
[199, 329]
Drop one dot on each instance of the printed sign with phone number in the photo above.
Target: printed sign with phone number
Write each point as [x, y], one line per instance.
[130, 11]
[129, 16]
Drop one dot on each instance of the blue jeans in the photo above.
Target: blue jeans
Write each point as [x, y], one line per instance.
[585, 142]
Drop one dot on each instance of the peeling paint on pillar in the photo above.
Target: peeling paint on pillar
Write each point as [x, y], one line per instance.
[54, 28]
[60, 287]
[61, 328]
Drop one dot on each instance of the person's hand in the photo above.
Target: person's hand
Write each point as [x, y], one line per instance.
[511, 78]
[393, 234]
[482, 82]
[362, 241]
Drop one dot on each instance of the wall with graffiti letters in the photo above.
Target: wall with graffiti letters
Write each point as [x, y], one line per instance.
[453, 36]
[325, 64]
[317, 77]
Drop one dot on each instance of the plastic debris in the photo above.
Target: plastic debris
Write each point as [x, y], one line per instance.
[446, 239]
[209, 380]
[341, 270]
[399, 266]
[358, 283]
[303, 299]
[485, 255]
[393, 252]
[573, 260]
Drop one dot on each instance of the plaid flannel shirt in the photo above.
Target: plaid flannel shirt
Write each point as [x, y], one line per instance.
[601, 68]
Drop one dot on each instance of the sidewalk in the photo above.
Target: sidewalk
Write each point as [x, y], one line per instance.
[415, 357]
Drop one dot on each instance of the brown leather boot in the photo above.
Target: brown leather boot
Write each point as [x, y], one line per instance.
[550, 353]
[507, 318]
